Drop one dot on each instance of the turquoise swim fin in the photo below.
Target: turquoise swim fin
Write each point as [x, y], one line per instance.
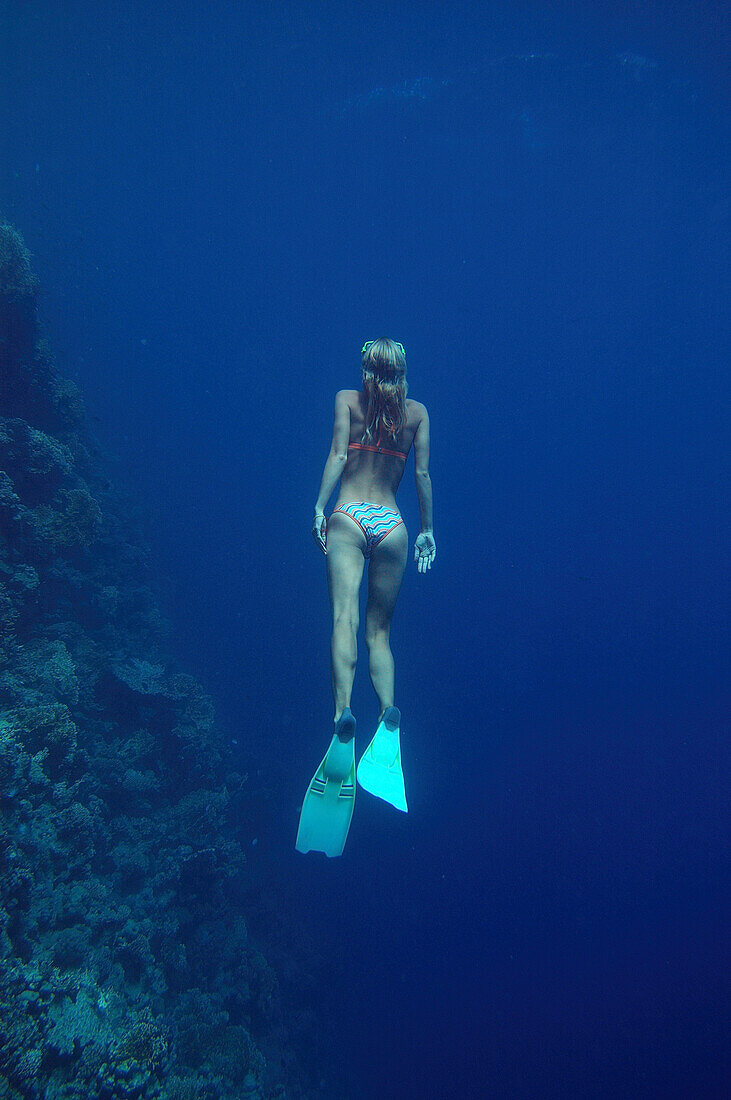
[379, 771]
[328, 805]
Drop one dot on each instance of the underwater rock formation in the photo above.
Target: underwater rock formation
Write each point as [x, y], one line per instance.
[126, 967]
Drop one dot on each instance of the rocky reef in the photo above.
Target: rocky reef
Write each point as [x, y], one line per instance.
[126, 965]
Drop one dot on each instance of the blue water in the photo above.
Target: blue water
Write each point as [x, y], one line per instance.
[224, 201]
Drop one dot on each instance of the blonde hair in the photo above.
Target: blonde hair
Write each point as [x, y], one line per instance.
[384, 384]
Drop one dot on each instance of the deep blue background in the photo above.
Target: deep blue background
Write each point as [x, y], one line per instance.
[224, 202]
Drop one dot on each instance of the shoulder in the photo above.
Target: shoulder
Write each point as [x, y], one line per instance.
[416, 411]
[346, 397]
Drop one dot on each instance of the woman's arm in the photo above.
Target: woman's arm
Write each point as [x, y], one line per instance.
[421, 473]
[338, 451]
[334, 465]
[425, 549]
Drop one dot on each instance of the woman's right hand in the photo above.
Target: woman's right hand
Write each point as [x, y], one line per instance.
[319, 531]
[425, 551]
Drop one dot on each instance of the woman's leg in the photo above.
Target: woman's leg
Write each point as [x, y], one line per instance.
[345, 545]
[385, 574]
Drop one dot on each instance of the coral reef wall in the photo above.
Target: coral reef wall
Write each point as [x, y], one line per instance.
[126, 966]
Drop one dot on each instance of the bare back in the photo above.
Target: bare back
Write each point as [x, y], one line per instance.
[371, 476]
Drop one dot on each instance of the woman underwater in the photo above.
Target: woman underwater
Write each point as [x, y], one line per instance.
[373, 432]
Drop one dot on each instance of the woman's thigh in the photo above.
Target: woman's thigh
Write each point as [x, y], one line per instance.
[345, 545]
[385, 573]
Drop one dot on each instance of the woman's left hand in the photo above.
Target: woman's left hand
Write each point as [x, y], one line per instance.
[319, 531]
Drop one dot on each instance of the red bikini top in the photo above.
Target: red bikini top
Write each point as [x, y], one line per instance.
[376, 449]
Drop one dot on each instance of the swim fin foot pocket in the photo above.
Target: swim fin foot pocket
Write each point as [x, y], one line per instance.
[345, 726]
[379, 771]
[328, 806]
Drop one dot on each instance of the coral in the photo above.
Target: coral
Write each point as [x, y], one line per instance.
[231, 1054]
[66, 399]
[16, 276]
[7, 1092]
[76, 830]
[126, 968]
[34, 727]
[70, 946]
[185, 1087]
[46, 669]
[9, 613]
[9, 499]
[264, 986]
[74, 521]
[26, 577]
[140, 676]
[147, 1043]
[47, 457]
[18, 288]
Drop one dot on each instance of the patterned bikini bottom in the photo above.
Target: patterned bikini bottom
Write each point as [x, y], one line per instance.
[374, 520]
